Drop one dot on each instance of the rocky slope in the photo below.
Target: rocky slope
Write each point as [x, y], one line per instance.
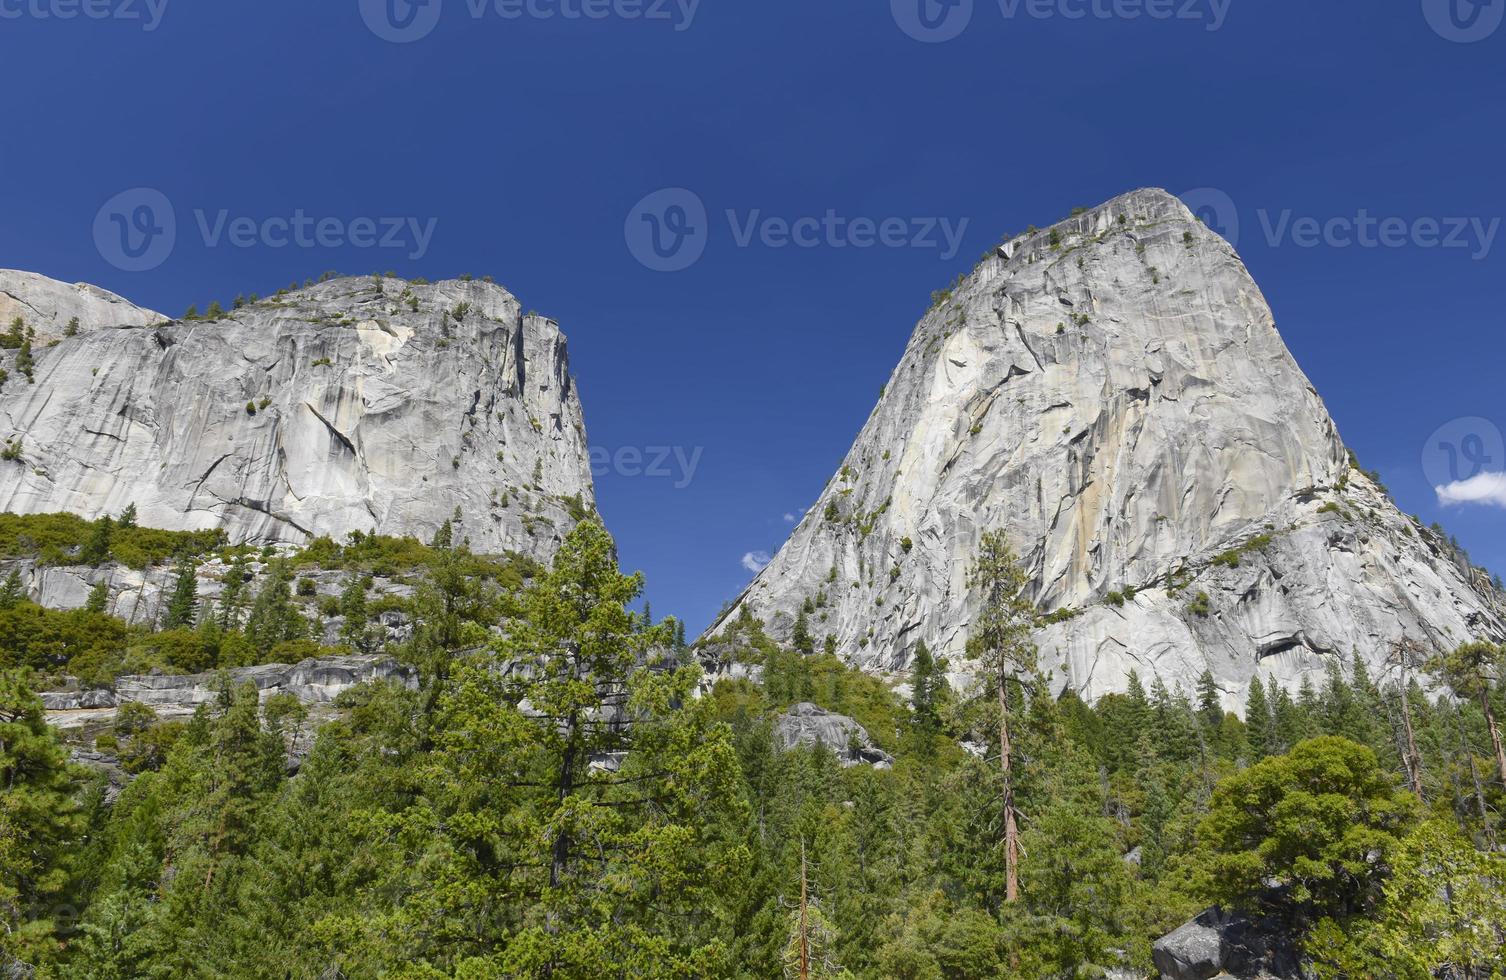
[48, 306]
[1112, 392]
[363, 404]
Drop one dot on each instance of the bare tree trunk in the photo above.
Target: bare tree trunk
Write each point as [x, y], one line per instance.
[1414, 757]
[1011, 831]
[1495, 732]
[805, 947]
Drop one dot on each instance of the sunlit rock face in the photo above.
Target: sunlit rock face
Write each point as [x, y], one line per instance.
[359, 404]
[1112, 393]
[49, 306]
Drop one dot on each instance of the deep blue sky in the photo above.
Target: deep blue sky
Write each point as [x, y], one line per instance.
[531, 140]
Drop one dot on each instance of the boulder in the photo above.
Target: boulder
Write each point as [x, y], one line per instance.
[1228, 943]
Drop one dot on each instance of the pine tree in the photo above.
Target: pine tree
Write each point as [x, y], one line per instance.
[1259, 721]
[353, 608]
[1002, 643]
[923, 689]
[40, 818]
[13, 590]
[801, 638]
[183, 608]
[99, 598]
[128, 517]
[1209, 705]
[645, 846]
[233, 594]
[96, 549]
[1470, 670]
[274, 619]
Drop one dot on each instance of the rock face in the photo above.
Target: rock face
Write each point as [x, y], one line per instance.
[315, 681]
[47, 306]
[808, 725]
[363, 404]
[1113, 394]
[1219, 943]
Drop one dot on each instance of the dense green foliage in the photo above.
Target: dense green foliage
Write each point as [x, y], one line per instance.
[65, 539]
[253, 620]
[555, 800]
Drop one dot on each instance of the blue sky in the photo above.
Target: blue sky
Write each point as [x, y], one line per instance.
[526, 143]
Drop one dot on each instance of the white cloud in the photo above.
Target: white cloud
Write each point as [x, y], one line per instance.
[791, 518]
[1485, 488]
[756, 561]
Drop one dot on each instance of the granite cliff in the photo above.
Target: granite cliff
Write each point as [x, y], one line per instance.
[357, 404]
[1113, 393]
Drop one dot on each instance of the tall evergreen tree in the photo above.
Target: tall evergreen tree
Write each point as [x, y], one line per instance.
[96, 549]
[99, 598]
[1001, 642]
[923, 689]
[1259, 721]
[183, 607]
[40, 818]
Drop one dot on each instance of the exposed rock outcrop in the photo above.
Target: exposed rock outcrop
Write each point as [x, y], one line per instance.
[49, 306]
[368, 404]
[316, 681]
[1229, 944]
[808, 725]
[140, 595]
[1112, 392]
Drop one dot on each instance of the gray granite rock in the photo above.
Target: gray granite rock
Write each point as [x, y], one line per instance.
[1114, 395]
[1219, 943]
[374, 405]
[47, 306]
[313, 681]
[808, 725]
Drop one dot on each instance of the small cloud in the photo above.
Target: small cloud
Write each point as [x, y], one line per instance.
[791, 518]
[1486, 488]
[756, 561]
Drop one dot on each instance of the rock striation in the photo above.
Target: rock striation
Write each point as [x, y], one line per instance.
[1112, 393]
[358, 404]
[808, 725]
[49, 306]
